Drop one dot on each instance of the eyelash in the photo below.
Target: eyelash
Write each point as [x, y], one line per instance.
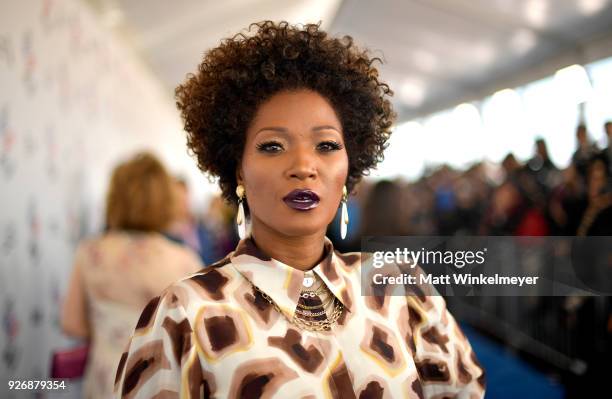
[265, 147]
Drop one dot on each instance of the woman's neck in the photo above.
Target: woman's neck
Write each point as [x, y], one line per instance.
[302, 252]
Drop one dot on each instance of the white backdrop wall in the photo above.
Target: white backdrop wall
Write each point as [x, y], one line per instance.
[73, 102]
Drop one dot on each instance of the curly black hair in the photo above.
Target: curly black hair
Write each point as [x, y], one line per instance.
[218, 102]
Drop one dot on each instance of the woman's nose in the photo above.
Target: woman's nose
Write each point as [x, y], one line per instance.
[303, 165]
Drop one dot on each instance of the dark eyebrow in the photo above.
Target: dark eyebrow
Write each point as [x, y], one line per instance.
[324, 127]
[285, 130]
[274, 129]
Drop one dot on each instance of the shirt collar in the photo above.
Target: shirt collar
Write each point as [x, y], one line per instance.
[283, 283]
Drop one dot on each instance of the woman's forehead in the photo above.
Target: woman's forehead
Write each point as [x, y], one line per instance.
[295, 100]
[290, 111]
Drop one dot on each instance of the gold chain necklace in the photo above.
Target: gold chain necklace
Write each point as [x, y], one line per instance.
[311, 314]
[322, 305]
[318, 310]
[320, 325]
[313, 293]
[310, 325]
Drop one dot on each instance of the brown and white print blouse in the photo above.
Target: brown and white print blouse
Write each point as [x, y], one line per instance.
[212, 335]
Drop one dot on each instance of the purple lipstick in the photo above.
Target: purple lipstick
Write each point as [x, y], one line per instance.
[302, 200]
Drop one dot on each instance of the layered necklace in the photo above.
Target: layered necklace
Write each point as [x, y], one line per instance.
[317, 309]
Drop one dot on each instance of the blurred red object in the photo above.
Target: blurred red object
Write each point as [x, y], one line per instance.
[69, 363]
[533, 223]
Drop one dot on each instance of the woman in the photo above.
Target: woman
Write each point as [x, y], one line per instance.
[596, 220]
[117, 273]
[289, 120]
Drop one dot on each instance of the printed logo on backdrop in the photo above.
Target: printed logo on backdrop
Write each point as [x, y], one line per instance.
[34, 232]
[7, 144]
[487, 266]
[8, 238]
[29, 60]
[36, 316]
[11, 353]
[7, 51]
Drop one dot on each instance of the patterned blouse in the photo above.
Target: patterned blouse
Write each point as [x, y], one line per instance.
[212, 335]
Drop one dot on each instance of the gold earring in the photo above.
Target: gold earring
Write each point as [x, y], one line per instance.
[240, 219]
[344, 220]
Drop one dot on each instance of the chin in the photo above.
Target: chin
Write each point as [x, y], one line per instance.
[297, 230]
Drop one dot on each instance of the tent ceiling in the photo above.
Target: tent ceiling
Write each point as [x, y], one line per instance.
[436, 52]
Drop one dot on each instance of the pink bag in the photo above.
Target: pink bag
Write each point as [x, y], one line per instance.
[69, 363]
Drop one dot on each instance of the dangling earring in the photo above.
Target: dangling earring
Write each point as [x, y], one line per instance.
[240, 219]
[344, 220]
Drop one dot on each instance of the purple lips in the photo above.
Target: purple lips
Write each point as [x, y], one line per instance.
[302, 200]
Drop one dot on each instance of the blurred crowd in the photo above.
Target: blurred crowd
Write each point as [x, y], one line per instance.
[534, 198]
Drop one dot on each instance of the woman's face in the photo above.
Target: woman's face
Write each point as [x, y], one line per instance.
[294, 164]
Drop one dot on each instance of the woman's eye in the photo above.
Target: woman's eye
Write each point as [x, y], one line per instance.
[328, 146]
[270, 146]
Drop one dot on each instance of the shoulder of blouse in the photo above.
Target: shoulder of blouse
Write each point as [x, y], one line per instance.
[207, 281]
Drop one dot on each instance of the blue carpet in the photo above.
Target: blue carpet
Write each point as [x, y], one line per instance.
[508, 376]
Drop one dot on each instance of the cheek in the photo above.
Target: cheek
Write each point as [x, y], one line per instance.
[341, 172]
[258, 181]
[337, 173]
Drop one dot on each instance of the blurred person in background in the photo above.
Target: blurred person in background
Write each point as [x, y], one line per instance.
[517, 208]
[219, 219]
[597, 218]
[607, 152]
[459, 200]
[382, 212]
[469, 209]
[585, 151]
[187, 229]
[510, 165]
[118, 272]
[567, 203]
[502, 215]
[547, 175]
[445, 200]
[418, 203]
[534, 221]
